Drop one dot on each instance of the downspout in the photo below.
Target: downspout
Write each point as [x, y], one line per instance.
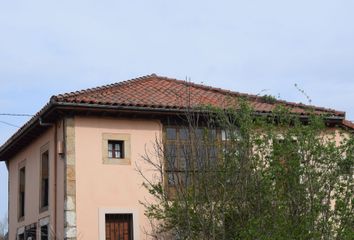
[8, 196]
[45, 124]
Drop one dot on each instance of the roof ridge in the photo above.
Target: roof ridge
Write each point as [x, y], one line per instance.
[101, 88]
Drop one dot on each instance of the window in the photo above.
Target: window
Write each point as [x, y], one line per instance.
[21, 197]
[44, 232]
[44, 200]
[44, 228]
[119, 226]
[115, 149]
[188, 151]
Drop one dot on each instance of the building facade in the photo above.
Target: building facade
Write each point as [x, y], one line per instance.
[73, 166]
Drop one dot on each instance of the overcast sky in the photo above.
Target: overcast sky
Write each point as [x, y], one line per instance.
[248, 46]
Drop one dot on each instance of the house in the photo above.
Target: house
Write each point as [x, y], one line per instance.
[72, 166]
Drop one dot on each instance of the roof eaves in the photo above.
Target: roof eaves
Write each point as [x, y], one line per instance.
[348, 124]
[26, 127]
[167, 108]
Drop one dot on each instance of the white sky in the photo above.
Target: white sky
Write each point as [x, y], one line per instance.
[49, 47]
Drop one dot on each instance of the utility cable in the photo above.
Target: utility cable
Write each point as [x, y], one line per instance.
[9, 124]
[16, 114]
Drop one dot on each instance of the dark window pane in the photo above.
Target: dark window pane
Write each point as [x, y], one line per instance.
[184, 133]
[21, 236]
[31, 232]
[44, 232]
[185, 178]
[212, 151]
[22, 192]
[45, 164]
[115, 149]
[45, 179]
[172, 179]
[171, 133]
[212, 154]
[199, 133]
[179, 178]
[170, 154]
[212, 134]
[185, 157]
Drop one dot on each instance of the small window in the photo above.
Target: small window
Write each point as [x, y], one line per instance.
[115, 149]
[21, 198]
[44, 180]
[44, 232]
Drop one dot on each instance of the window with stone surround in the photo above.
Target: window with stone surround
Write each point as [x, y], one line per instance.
[116, 148]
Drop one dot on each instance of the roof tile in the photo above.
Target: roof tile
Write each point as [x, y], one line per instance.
[162, 92]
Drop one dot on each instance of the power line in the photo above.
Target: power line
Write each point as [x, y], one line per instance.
[16, 114]
[9, 124]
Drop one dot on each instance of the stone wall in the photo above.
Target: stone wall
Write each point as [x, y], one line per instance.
[70, 231]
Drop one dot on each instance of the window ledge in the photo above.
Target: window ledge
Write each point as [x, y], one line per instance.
[43, 209]
[117, 161]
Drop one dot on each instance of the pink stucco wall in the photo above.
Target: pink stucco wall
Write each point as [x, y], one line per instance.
[31, 156]
[105, 187]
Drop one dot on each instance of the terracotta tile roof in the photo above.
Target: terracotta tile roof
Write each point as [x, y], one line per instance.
[154, 91]
[348, 124]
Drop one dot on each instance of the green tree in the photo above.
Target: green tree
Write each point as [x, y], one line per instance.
[233, 175]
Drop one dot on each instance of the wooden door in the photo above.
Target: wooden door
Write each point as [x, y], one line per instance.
[119, 227]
